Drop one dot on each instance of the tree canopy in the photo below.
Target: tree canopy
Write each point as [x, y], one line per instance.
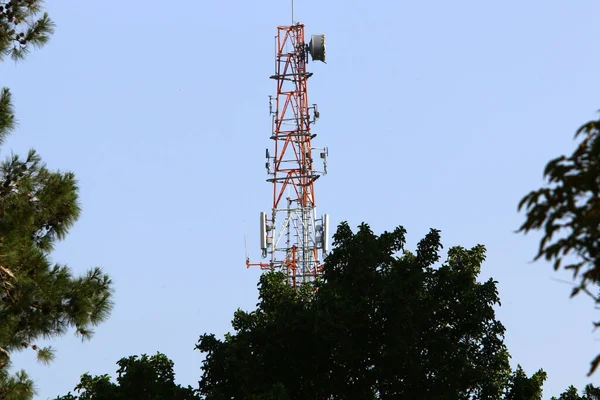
[589, 393]
[384, 323]
[567, 211]
[140, 378]
[38, 299]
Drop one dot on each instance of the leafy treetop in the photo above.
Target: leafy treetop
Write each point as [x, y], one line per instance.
[140, 378]
[384, 323]
[567, 211]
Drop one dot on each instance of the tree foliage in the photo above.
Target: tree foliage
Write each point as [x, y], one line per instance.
[384, 323]
[38, 299]
[140, 378]
[16, 387]
[23, 26]
[589, 393]
[522, 387]
[567, 211]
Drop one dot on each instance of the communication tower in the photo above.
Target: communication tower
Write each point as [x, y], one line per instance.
[293, 238]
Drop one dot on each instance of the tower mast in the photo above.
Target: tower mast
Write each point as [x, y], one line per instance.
[293, 238]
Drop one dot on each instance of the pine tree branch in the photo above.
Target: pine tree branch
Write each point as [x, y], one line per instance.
[7, 272]
[19, 30]
[7, 117]
[45, 355]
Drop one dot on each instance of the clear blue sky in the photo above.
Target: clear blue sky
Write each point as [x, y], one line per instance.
[437, 115]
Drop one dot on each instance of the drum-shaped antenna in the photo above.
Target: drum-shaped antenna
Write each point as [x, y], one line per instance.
[316, 47]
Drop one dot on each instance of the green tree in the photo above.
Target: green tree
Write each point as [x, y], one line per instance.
[567, 211]
[589, 393]
[22, 27]
[144, 378]
[524, 388]
[384, 323]
[38, 299]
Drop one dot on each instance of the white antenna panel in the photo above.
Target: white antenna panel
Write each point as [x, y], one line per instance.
[263, 231]
[326, 233]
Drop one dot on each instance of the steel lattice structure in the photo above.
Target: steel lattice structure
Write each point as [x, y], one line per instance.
[293, 238]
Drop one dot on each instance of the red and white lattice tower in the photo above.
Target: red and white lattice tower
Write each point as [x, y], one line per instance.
[293, 238]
